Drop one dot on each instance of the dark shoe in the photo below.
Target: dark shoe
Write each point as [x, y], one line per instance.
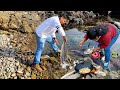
[58, 53]
[37, 67]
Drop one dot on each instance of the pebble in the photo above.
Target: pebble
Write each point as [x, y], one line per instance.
[12, 70]
[6, 77]
[4, 64]
[13, 75]
[22, 78]
[27, 74]
[11, 65]
[28, 78]
[7, 70]
[17, 63]
[20, 70]
[28, 69]
[11, 59]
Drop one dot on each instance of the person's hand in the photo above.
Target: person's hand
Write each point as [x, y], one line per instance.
[81, 43]
[56, 41]
[96, 49]
[65, 39]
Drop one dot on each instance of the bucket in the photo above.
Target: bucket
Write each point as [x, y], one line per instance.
[96, 58]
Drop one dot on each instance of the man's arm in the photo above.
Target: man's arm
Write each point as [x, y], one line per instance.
[59, 27]
[83, 40]
[54, 38]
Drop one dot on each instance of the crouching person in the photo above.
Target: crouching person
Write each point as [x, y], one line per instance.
[106, 35]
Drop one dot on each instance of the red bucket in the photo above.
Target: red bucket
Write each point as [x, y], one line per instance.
[95, 55]
[96, 58]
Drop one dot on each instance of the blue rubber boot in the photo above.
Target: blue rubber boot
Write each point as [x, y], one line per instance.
[106, 67]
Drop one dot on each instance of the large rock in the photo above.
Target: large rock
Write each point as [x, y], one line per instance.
[27, 21]
[4, 20]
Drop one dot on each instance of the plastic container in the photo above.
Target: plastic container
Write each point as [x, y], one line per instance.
[96, 58]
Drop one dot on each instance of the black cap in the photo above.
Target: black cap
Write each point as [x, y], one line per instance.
[92, 33]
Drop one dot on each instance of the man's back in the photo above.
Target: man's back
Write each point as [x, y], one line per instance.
[47, 27]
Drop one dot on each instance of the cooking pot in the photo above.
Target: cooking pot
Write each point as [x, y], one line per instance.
[84, 64]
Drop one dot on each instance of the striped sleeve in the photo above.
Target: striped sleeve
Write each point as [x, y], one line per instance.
[58, 26]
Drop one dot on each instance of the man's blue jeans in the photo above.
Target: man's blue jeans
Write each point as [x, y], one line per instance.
[40, 47]
[107, 49]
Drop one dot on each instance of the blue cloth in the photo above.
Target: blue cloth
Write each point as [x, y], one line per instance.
[40, 46]
[107, 49]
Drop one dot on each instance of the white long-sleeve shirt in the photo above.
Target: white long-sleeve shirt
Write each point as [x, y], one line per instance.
[49, 27]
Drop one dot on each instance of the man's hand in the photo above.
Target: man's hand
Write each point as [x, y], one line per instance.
[65, 39]
[96, 49]
[56, 41]
[81, 43]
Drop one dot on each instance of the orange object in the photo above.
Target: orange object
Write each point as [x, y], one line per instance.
[93, 70]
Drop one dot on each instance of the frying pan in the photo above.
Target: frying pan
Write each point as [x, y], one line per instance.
[84, 64]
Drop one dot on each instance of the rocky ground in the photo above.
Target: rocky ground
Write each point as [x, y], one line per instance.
[16, 56]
